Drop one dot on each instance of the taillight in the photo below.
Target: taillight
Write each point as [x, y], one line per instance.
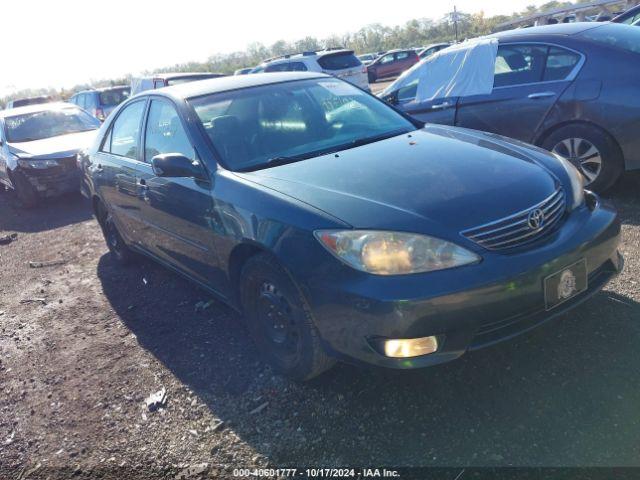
[100, 114]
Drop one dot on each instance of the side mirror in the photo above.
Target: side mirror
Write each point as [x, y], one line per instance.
[392, 98]
[175, 165]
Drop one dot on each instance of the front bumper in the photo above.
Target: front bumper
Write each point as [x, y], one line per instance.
[468, 307]
[54, 181]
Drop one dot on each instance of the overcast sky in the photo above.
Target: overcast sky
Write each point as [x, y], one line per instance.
[64, 42]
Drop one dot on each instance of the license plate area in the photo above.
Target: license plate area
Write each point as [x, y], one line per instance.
[565, 284]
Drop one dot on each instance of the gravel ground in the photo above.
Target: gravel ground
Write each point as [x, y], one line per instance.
[83, 342]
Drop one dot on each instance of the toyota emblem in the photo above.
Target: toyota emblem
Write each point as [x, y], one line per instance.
[536, 219]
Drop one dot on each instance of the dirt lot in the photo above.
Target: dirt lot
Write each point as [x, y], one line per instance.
[83, 342]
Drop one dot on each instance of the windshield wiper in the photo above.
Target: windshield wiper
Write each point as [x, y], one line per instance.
[376, 138]
[285, 159]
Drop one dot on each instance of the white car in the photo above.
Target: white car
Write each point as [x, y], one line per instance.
[340, 63]
[38, 148]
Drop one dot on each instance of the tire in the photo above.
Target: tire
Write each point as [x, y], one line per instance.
[592, 151]
[372, 77]
[280, 321]
[118, 249]
[25, 192]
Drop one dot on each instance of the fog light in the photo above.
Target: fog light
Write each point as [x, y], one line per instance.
[410, 347]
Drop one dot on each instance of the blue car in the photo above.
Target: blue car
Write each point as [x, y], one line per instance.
[343, 229]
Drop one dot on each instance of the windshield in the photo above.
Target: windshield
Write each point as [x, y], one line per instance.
[114, 97]
[279, 123]
[48, 123]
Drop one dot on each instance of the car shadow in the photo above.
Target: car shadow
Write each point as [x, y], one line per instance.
[49, 214]
[625, 195]
[563, 394]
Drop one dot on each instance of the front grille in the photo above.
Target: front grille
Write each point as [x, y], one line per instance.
[515, 230]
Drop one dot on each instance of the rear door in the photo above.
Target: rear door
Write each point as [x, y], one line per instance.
[386, 66]
[177, 211]
[529, 79]
[404, 61]
[114, 170]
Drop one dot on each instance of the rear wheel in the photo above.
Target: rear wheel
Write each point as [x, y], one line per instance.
[25, 192]
[119, 250]
[279, 320]
[592, 151]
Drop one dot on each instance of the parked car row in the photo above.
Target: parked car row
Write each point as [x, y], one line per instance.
[342, 63]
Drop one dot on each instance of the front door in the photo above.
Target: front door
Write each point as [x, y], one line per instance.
[528, 81]
[177, 210]
[442, 111]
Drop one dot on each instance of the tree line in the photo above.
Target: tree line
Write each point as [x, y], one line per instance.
[371, 38]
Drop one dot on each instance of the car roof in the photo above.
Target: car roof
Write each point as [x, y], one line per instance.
[305, 55]
[233, 82]
[170, 75]
[40, 107]
[566, 29]
[103, 89]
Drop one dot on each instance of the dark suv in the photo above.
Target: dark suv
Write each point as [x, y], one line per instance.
[101, 102]
[391, 64]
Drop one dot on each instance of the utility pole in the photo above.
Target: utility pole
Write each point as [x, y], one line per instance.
[455, 21]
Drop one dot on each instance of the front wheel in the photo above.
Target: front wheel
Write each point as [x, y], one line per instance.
[279, 320]
[592, 151]
[25, 192]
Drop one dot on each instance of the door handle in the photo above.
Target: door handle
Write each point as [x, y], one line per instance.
[441, 106]
[534, 96]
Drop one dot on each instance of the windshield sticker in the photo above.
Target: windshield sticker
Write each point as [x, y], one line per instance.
[340, 89]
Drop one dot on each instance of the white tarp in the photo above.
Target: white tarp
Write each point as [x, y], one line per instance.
[457, 71]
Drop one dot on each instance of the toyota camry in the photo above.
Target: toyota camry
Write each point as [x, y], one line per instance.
[343, 229]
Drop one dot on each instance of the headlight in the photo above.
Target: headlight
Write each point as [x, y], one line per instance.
[577, 182]
[393, 253]
[37, 164]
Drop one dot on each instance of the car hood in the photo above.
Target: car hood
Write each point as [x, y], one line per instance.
[436, 180]
[62, 145]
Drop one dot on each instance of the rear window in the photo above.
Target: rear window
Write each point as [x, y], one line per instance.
[616, 35]
[339, 61]
[114, 97]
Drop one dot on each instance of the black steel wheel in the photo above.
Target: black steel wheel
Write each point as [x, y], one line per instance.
[279, 320]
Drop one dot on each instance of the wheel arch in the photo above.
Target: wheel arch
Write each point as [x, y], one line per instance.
[238, 257]
[540, 138]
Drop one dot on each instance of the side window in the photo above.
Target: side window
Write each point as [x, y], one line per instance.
[560, 63]
[386, 59]
[125, 132]
[519, 64]
[80, 100]
[402, 55]
[297, 67]
[164, 132]
[278, 67]
[408, 92]
[158, 83]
